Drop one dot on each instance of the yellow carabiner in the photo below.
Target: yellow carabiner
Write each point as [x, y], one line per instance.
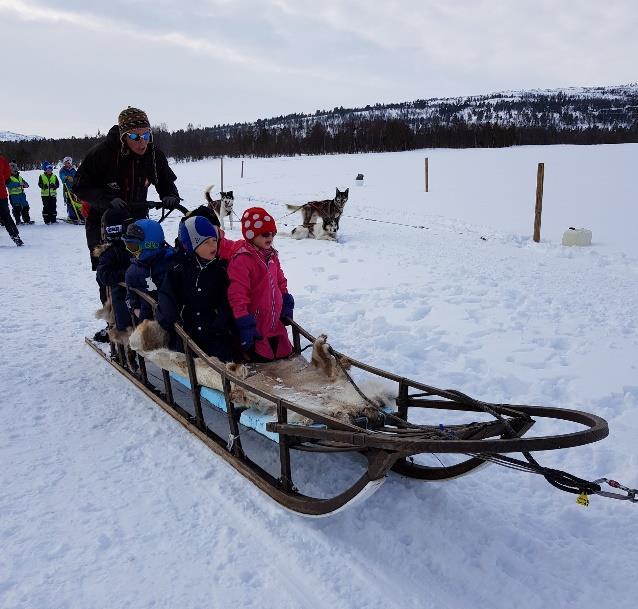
[583, 500]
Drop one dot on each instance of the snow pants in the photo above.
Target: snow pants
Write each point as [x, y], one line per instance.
[6, 219]
[20, 208]
[49, 210]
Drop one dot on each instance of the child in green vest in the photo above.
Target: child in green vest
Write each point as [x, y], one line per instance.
[49, 184]
[17, 197]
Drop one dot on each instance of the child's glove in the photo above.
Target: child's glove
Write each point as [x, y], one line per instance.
[248, 334]
[287, 307]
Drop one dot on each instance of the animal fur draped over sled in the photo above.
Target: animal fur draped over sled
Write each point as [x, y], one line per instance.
[319, 385]
[107, 313]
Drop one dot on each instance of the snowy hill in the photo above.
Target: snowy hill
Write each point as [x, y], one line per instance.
[108, 503]
[596, 115]
[567, 108]
[9, 136]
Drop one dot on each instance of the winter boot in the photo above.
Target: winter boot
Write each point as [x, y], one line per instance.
[18, 241]
[101, 336]
[131, 359]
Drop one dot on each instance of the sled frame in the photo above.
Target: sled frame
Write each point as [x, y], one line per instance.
[385, 446]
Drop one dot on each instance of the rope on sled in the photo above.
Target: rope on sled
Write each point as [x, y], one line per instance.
[561, 480]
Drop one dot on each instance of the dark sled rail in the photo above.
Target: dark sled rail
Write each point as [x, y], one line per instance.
[597, 427]
[388, 443]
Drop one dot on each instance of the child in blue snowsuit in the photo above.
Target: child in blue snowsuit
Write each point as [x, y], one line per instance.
[17, 197]
[113, 261]
[145, 240]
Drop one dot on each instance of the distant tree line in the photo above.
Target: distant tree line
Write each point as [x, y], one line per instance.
[607, 116]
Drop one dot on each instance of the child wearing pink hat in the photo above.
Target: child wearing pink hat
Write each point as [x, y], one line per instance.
[258, 291]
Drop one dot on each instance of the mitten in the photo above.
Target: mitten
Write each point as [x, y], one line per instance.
[287, 307]
[169, 202]
[248, 334]
[118, 204]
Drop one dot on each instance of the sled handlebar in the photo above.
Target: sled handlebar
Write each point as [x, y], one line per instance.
[160, 205]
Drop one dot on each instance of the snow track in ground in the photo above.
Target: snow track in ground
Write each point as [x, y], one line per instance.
[107, 502]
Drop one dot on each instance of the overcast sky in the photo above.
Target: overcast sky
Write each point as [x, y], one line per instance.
[71, 66]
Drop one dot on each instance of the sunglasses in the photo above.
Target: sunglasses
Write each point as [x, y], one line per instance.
[133, 246]
[146, 136]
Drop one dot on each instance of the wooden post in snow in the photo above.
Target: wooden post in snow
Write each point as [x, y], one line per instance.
[540, 178]
[242, 169]
[427, 176]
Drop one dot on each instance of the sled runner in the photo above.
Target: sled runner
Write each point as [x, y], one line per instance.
[318, 406]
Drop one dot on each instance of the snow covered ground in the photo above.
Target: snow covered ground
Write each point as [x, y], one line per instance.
[106, 502]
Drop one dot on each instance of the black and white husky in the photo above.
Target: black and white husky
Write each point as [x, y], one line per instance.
[329, 210]
[327, 229]
[222, 207]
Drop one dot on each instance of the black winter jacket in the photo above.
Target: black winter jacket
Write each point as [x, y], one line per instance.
[110, 170]
[194, 293]
[113, 260]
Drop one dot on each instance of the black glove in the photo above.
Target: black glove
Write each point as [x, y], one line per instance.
[169, 202]
[118, 204]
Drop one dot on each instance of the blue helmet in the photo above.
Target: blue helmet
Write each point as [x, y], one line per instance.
[194, 231]
[46, 166]
[147, 235]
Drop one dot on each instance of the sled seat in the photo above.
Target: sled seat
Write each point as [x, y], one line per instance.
[250, 417]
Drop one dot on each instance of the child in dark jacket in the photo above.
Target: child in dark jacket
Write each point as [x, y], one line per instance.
[258, 292]
[153, 256]
[113, 261]
[194, 292]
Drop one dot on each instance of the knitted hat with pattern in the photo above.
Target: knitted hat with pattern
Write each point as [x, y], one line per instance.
[256, 221]
[132, 118]
[194, 231]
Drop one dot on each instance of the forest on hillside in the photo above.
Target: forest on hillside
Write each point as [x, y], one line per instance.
[601, 116]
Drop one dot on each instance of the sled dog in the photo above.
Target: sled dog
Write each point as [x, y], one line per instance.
[326, 230]
[222, 207]
[329, 210]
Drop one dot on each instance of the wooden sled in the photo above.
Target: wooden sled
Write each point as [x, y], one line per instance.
[384, 433]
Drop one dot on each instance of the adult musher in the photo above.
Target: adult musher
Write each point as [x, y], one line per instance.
[116, 174]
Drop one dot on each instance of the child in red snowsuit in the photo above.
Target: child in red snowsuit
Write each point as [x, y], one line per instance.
[258, 291]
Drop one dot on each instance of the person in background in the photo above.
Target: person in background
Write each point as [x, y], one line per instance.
[17, 197]
[194, 292]
[258, 292]
[117, 173]
[5, 216]
[49, 184]
[67, 175]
